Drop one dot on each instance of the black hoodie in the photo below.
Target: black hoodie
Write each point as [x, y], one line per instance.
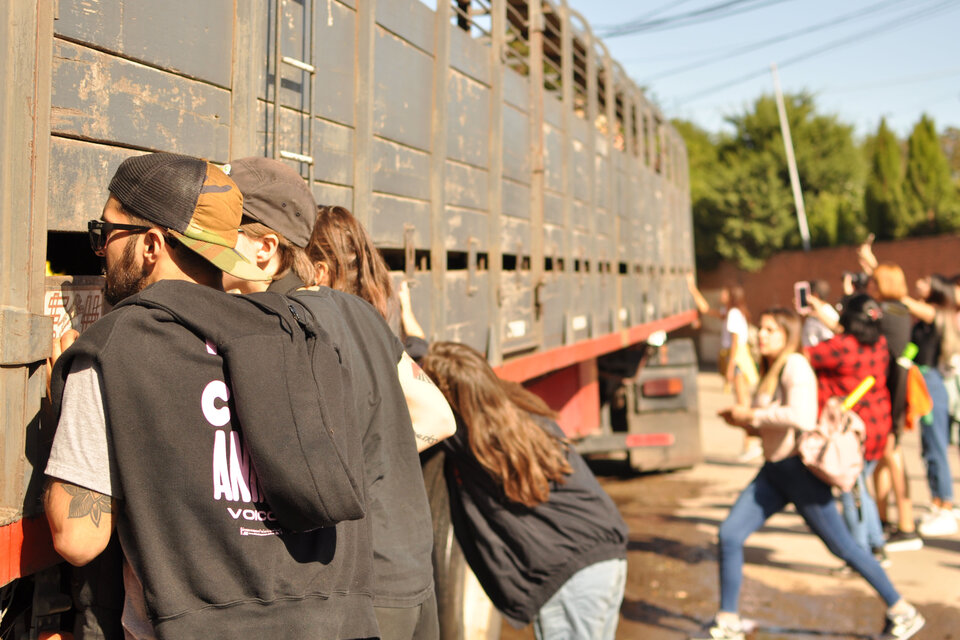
[195, 521]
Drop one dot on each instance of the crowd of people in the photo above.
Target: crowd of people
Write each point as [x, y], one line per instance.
[236, 445]
[237, 442]
[908, 346]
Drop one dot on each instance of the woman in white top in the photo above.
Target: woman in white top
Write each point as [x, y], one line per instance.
[784, 406]
[734, 360]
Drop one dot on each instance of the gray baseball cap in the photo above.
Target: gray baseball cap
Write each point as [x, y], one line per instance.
[276, 196]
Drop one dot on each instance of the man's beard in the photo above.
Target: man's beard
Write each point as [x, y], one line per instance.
[124, 279]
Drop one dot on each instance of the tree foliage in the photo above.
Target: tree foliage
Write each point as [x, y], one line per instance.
[930, 191]
[740, 186]
[884, 203]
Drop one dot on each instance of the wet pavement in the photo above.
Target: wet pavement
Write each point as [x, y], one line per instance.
[788, 588]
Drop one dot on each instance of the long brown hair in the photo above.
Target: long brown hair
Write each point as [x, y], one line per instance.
[354, 264]
[770, 368]
[511, 446]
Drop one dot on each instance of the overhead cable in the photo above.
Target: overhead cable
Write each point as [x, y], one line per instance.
[705, 14]
[783, 37]
[891, 25]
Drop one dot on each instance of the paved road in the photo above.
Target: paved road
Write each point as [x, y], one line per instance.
[788, 588]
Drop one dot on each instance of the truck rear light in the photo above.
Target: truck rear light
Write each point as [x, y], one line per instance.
[662, 387]
[650, 440]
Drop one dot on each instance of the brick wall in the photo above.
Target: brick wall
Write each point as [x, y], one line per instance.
[773, 285]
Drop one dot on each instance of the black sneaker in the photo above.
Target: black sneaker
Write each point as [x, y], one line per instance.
[903, 626]
[904, 541]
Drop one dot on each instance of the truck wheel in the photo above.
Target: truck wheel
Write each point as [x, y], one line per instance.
[464, 610]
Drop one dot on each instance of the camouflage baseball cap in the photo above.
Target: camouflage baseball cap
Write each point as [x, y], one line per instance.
[192, 199]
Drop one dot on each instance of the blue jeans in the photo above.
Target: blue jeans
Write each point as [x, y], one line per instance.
[935, 435]
[776, 485]
[587, 606]
[863, 523]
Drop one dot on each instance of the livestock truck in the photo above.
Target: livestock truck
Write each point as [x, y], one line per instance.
[505, 165]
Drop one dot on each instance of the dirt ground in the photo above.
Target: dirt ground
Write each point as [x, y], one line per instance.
[788, 587]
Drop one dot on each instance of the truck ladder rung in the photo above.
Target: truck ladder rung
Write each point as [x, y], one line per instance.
[299, 157]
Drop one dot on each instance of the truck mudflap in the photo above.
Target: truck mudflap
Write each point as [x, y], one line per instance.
[649, 407]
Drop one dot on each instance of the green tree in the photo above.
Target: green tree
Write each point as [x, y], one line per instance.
[883, 201]
[930, 192]
[744, 206]
[703, 161]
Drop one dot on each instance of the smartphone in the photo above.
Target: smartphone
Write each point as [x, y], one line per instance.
[801, 296]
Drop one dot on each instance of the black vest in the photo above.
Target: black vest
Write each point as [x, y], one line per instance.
[195, 521]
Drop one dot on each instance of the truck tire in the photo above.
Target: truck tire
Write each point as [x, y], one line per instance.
[464, 610]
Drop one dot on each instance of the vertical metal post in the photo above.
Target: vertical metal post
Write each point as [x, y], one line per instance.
[498, 43]
[277, 54]
[249, 51]
[438, 166]
[613, 217]
[363, 88]
[593, 105]
[26, 60]
[791, 162]
[313, 92]
[537, 178]
[567, 94]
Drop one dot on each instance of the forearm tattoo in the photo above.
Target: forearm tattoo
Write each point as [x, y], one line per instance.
[84, 502]
[426, 438]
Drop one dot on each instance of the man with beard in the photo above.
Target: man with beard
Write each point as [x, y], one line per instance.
[238, 501]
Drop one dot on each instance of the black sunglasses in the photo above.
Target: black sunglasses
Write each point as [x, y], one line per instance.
[98, 230]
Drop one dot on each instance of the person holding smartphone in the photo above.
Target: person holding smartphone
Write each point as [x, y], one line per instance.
[819, 317]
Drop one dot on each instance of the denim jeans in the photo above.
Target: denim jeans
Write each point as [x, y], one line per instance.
[587, 606]
[863, 523]
[935, 435]
[776, 485]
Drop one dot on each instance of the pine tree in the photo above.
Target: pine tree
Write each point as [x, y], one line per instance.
[883, 198]
[931, 195]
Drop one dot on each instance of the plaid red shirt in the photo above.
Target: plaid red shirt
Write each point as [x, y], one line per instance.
[841, 363]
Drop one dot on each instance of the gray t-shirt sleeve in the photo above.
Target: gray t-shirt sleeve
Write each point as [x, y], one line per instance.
[81, 445]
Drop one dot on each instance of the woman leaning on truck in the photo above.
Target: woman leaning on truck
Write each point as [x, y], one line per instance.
[543, 538]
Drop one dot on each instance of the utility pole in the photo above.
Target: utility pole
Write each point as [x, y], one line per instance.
[791, 162]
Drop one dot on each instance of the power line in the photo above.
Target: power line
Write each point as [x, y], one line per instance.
[760, 44]
[661, 9]
[806, 55]
[704, 14]
[895, 82]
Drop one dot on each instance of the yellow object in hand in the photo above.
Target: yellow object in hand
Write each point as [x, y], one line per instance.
[858, 393]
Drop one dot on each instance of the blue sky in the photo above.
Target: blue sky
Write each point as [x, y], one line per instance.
[903, 58]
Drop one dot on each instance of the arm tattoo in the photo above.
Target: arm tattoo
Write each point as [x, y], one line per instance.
[426, 438]
[420, 374]
[85, 502]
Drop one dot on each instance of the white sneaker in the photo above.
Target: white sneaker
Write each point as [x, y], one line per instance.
[903, 626]
[939, 522]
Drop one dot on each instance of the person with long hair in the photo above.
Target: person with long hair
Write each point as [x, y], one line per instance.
[346, 259]
[841, 364]
[888, 285]
[938, 356]
[784, 407]
[543, 538]
[734, 359]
